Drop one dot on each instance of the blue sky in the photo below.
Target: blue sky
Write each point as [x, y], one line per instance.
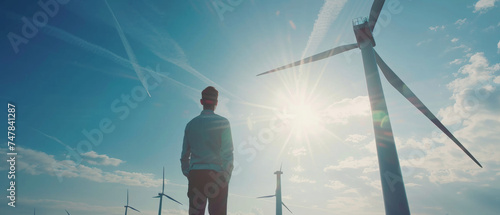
[88, 67]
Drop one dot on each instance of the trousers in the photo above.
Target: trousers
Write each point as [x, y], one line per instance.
[207, 185]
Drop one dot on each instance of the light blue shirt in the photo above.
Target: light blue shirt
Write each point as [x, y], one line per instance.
[207, 144]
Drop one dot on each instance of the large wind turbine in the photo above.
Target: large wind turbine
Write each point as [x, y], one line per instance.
[393, 188]
[279, 202]
[128, 206]
[160, 195]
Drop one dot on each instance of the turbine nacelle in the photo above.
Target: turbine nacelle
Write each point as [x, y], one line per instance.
[363, 32]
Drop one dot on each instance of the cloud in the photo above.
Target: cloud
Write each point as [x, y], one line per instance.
[473, 118]
[454, 40]
[368, 164]
[483, 5]
[96, 159]
[424, 42]
[498, 47]
[336, 185]
[36, 163]
[292, 24]
[355, 138]
[436, 28]
[461, 21]
[341, 111]
[298, 169]
[298, 152]
[327, 15]
[298, 179]
[456, 62]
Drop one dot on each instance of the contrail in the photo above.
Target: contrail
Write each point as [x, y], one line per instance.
[128, 49]
[79, 42]
[52, 138]
[158, 42]
[327, 15]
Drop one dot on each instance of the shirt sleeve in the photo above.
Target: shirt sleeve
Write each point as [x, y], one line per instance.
[227, 149]
[185, 155]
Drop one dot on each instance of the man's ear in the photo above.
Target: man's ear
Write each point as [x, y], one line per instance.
[201, 102]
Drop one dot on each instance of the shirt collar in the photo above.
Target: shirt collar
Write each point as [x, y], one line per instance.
[207, 112]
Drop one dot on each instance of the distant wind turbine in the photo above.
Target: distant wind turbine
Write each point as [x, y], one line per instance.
[160, 195]
[279, 202]
[128, 206]
[393, 188]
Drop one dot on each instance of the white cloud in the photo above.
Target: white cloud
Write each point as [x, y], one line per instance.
[36, 163]
[424, 42]
[336, 185]
[298, 152]
[355, 138]
[454, 40]
[298, 179]
[341, 111]
[327, 15]
[436, 28]
[473, 119]
[298, 169]
[456, 62]
[369, 164]
[498, 47]
[483, 5]
[96, 159]
[461, 21]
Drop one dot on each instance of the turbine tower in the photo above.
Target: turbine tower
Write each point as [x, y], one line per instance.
[160, 195]
[279, 202]
[128, 206]
[393, 188]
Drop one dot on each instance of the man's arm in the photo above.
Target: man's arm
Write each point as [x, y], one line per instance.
[227, 149]
[185, 155]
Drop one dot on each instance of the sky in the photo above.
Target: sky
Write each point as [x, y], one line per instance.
[103, 90]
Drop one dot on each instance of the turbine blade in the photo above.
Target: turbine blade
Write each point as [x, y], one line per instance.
[67, 212]
[133, 209]
[375, 12]
[172, 199]
[127, 196]
[281, 166]
[397, 83]
[286, 207]
[266, 196]
[322, 55]
[156, 196]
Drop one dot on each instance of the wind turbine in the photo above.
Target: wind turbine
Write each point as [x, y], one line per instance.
[160, 195]
[128, 206]
[278, 194]
[393, 188]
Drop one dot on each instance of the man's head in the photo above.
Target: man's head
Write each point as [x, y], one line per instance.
[209, 98]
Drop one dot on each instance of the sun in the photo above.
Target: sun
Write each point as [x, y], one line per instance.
[303, 117]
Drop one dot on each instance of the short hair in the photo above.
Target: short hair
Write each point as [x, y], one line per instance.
[210, 93]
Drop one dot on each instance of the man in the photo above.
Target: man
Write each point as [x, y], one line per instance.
[207, 158]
